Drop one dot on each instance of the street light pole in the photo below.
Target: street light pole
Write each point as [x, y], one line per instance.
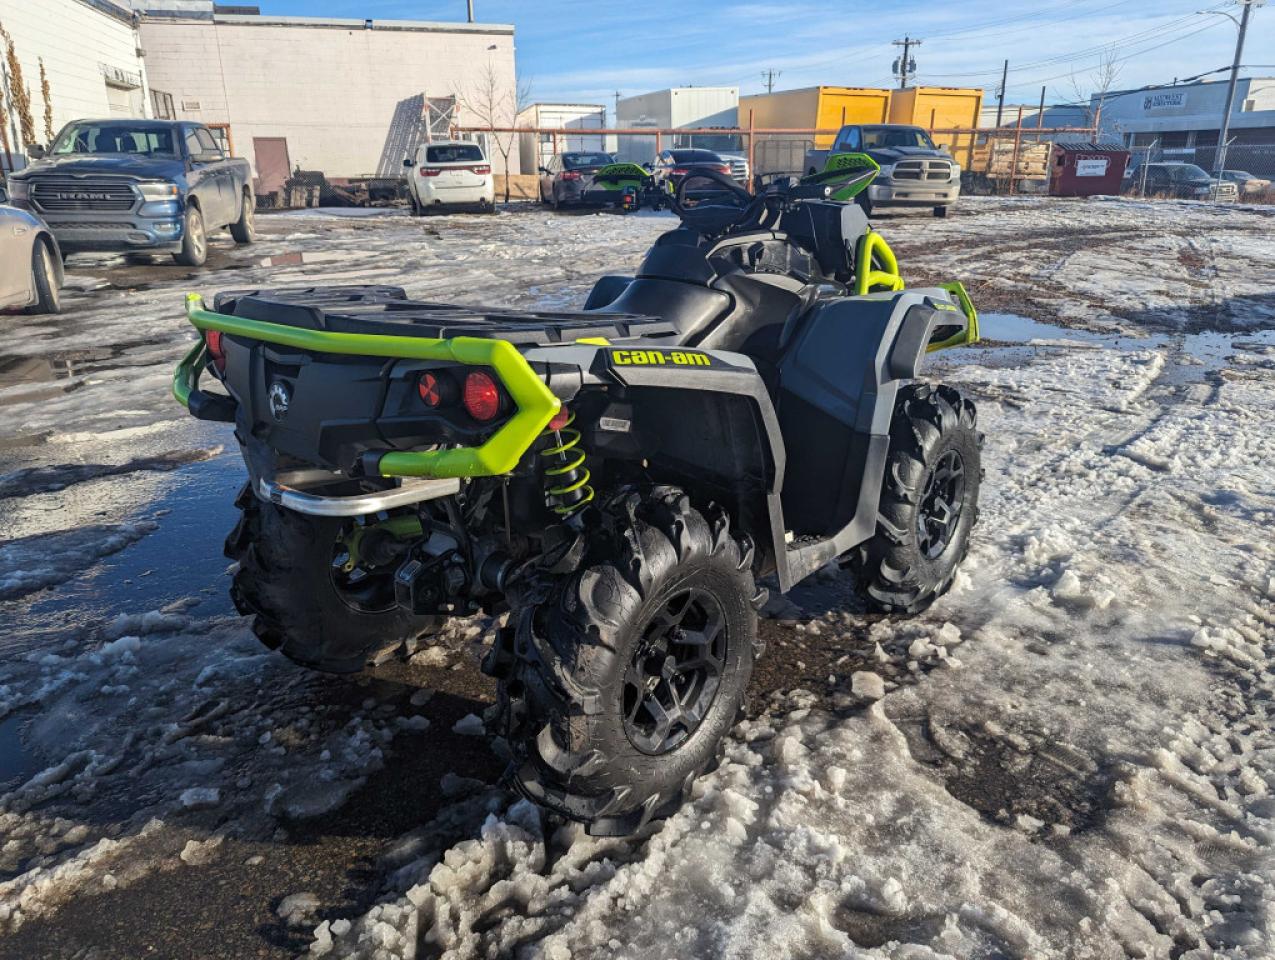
[1248, 5]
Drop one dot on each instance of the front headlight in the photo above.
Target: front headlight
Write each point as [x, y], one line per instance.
[18, 189]
[887, 171]
[956, 171]
[158, 191]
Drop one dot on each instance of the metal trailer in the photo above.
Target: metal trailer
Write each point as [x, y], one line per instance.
[535, 150]
[679, 107]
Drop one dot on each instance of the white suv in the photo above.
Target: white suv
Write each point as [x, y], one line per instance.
[453, 172]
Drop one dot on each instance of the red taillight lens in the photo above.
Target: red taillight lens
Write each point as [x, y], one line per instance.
[213, 339]
[724, 168]
[482, 396]
[482, 169]
[679, 171]
[570, 174]
[431, 171]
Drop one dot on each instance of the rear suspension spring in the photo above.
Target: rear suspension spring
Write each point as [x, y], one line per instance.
[567, 489]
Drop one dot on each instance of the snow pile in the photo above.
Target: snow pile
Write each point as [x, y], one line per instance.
[33, 563]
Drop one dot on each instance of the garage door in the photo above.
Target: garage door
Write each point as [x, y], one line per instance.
[273, 168]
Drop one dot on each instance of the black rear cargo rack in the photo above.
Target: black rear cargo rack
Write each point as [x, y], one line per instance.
[387, 311]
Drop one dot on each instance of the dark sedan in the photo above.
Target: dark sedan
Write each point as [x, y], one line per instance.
[672, 166]
[568, 178]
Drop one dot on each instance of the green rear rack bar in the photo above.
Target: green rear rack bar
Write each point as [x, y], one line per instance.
[502, 451]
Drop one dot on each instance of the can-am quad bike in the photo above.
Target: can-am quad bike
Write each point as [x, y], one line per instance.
[618, 479]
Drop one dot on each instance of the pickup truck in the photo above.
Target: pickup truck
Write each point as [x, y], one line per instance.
[143, 186]
[914, 172]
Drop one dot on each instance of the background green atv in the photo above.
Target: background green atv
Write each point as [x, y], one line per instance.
[615, 480]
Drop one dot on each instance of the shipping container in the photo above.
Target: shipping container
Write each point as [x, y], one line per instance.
[704, 107]
[535, 151]
[939, 108]
[821, 108]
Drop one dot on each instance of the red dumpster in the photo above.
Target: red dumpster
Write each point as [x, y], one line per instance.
[1086, 169]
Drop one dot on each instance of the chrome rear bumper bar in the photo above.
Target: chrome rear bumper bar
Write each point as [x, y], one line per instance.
[300, 501]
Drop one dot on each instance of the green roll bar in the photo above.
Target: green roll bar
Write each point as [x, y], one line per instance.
[536, 405]
[865, 275]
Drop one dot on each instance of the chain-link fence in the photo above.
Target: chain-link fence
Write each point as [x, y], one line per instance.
[1250, 166]
[781, 155]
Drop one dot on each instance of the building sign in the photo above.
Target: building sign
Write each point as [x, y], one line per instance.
[1155, 102]
[1092, 167]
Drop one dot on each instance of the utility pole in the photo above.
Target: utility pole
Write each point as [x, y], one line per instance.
[1000, 102]
[905, 66]
[1230, 90]
[471, 11]
[770, 76]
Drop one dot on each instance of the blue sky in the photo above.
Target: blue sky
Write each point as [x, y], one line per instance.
[588, 49]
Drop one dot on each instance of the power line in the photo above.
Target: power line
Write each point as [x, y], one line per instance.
[1141, 36]
[769, 76]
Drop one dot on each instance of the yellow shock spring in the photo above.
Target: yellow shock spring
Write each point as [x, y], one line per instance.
[570, 474]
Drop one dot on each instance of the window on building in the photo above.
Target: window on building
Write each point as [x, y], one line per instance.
[1206, 138]
[1174, 139]
[162, 105]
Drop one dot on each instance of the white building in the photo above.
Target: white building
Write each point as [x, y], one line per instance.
[1190, 114]
[344, 97]
[91, 58]
[1184, 121]
[677, 107]
[534, 152]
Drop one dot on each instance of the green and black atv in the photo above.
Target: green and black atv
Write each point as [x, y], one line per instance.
[617, 480]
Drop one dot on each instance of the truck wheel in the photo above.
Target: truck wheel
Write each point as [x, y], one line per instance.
[929, 502]
[244, 230]
[292, 583]
[45, 273]
[194, 239]
[624, 676]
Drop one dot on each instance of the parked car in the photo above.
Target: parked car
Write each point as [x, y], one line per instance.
[30, 263]
[672, 165]
[144, 186]
[1248, 184]
[914, 172]
[1184, 181]
[739, 169]
[568, 179]
[456, 172]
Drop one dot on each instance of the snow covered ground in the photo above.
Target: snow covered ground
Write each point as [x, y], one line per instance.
[1071, 755]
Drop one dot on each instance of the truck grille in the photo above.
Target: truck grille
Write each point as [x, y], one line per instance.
[923, 170]
[738, 167]
[68, 194]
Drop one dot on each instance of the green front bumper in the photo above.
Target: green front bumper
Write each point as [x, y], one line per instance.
[535, 404]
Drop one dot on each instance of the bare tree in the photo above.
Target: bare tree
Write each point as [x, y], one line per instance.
[494, 104]
[19, 92]
[1100, 82]
[48, 104]
[4, 128]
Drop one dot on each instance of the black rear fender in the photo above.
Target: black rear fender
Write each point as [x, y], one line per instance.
[839, 375]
